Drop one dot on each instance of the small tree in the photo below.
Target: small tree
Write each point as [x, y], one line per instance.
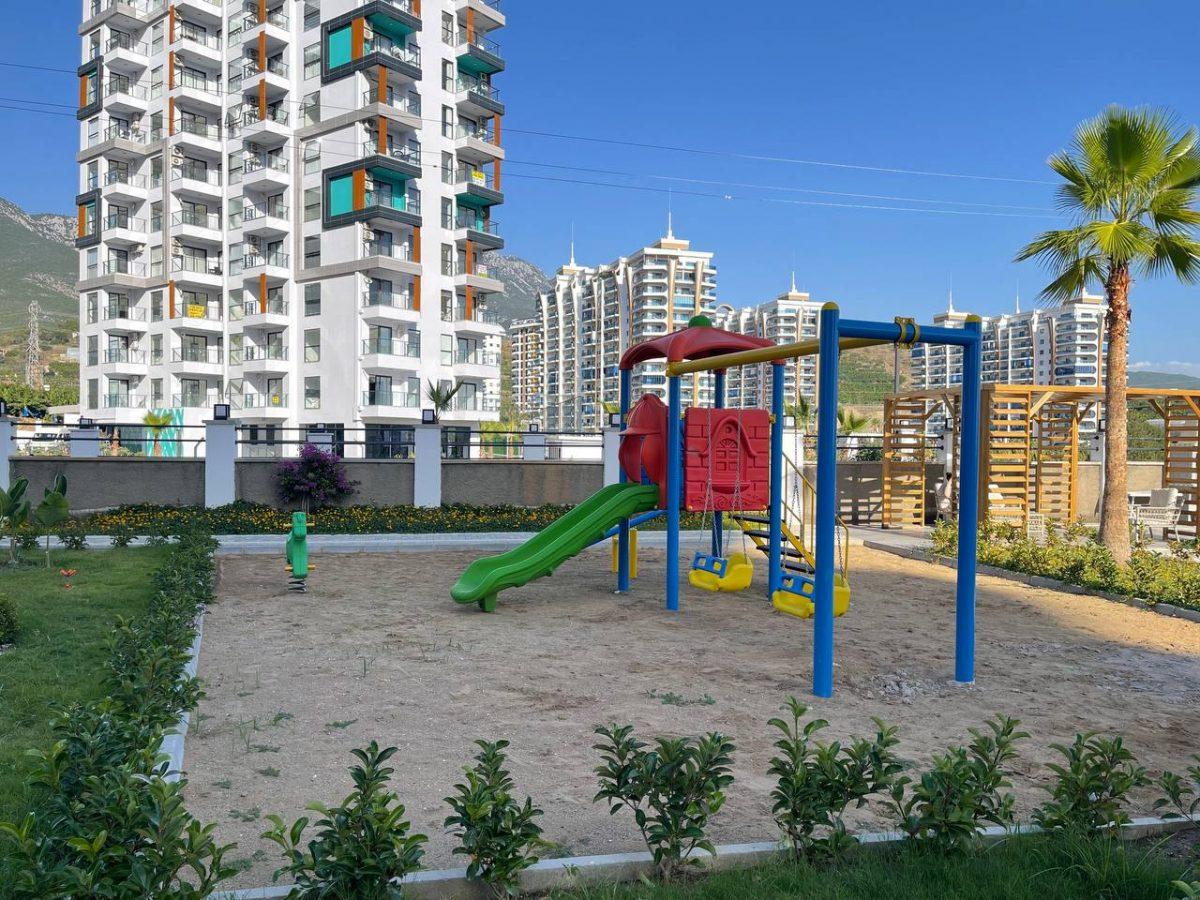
[801, 411]
[441, 396]
[850, 422]
[53, 510]
[14, 512]
[157, 422]
[314, 479]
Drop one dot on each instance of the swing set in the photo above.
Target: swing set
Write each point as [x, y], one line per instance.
[729, 465]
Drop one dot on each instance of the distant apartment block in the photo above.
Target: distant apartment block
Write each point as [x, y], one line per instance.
[288, 207]
[528, 367]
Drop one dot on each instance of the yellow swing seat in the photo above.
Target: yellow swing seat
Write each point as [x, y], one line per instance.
[798, 601]
[739, 572]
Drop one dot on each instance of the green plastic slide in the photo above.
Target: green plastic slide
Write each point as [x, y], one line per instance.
[553, 545]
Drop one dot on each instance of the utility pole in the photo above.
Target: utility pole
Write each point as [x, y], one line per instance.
[33, 348]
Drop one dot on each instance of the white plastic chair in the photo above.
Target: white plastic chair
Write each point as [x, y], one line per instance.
[1162, 511]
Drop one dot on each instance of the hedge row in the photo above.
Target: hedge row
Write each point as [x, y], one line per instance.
[257, 518]
[106, 821]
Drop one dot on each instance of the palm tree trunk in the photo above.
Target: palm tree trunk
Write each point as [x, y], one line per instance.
[1114, 514]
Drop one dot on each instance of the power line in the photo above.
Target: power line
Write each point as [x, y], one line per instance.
[45, 112]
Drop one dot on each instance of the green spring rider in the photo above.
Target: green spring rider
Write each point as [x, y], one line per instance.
[297, 553]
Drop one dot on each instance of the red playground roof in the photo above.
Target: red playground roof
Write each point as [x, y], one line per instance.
[698, 341]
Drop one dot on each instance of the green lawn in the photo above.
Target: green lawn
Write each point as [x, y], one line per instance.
[1025, 869]
[60, 654]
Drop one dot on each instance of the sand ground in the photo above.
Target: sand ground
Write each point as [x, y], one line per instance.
[377, 650]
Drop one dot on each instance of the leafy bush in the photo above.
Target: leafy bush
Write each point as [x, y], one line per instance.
[1182, 793]
[122, 536]
[1093, 782]
[10, 626]
[497, 832]
[26, 540]
[316, 478]
[72, 536]
[962, 791]
[1076, 557]
[673, 789]
[107, 822]
[815, 782]
[361, 844]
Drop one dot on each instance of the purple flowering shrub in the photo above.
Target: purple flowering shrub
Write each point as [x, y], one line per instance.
[314, 479]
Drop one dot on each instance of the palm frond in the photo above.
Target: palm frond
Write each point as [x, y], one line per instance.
[1176, 254]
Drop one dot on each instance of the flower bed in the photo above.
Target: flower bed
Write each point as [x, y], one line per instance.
[256, 518]
[1076, 557]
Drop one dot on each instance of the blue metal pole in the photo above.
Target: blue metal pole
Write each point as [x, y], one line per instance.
[623, 527]
[775, 548]
[674, 491]
[826, 502]
[718, 534]
[968, 505]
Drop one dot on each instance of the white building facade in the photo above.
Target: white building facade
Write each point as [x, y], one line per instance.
[287, 206]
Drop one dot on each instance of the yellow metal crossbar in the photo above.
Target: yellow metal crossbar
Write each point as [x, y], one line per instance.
[763, 355]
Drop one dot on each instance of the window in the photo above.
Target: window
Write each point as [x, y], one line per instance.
[447, 306]
[156, 81]
[93, 307]
[447, 75]
[312, 157]
[447, 259]
[156, 306]
[93, 45]
[93, 132]
[156, 38]
[447, 349]
[448, 28]
[312, 345]
[312, 16]
[312, 251]
[93, 393]
[312, 392]
[448, 121]
[156, 392]
[312, 299]
[310, 108]
[156, 349]
[93, 356]
[156, 260]
[312, 204]
[447, 168]
[312, 61]
[447, 212]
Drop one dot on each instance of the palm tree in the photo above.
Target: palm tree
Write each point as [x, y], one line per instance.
[801, 411]
[850, 422]
[1131, 180]
[157, 422]
[441, 396]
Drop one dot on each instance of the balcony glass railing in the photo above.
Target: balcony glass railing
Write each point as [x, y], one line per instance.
[405, 153]
[123, 401]
[477, 315]
[478, 87]
[199, 36]
[409, 348]
[392, 300]
[479, 133]
[408, 53]
[476, 404]
[390, 250]
[474, 223]
[109, 313]
[401, 399]
[121, 176]
[476, 358]
[141, 8]
[264, 163]
[407, 202]
[465, 40]
[207, 355]
[208, 130]
[196, 82]
[253, 353]
[259, 401]
[118, 41]
[196, 264]
[196, 173]
[124, 355]
[476, 177]
[278, 211]
[124, 220]
[275, 114]
[210, 312]
[117, 267]
[409, 103]
[197, 399]
[255, 260]
[211, 221]
[402, 5]
[274, 307]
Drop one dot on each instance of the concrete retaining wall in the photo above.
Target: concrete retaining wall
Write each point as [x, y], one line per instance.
[1143, 476]
[519, 482]
[106, 482]
[381, 482]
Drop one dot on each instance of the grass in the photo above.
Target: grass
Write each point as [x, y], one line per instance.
[61, 651]
[1034, 868]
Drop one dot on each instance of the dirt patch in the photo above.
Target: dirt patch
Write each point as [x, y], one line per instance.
[376, 649]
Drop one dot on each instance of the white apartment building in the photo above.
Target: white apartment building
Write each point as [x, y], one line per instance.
[287, 206]
[1064, 345]
[525, 339]
[594, 314]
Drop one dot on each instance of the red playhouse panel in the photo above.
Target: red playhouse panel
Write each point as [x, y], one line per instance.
[644, 444]
[731, 449]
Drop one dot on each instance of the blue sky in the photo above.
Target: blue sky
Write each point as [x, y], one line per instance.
[933, 87]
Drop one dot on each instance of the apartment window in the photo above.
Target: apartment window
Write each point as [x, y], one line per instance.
[156, 306]
[312, 61]
[448, 28]
[93, 307]
[156, 216]
[447, 306]
[447, 212]
[93, 356]
[156, 260]
[93, 393]
[156, 392]
[447, 259]
[156, 37]
[312, 299]
[156, 81]
[447, 168]
[91, 88]
[156, 349]
[93, 45]
[310, 108]
[448, 121]
[312, 157]
[312, 204]
[312, 16]
[312, 345]
[235, 165]
[93, 132]
[312, 392]
[312, 251]
[447, 75]
[447, 349]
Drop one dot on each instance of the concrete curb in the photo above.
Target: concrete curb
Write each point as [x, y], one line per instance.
[1040, 581]
[574, 871]
[172, 742]
[231, 544]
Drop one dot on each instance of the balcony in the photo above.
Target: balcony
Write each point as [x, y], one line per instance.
[476, 188]
[268, 360]
[121, 362]
[405, 105]
[475, 143]
[405, 159]
[117, 402]
[477, 97]
[117, 271]
[254, 314]
[208, 10]
[389, 404]
[480, 278]
[478, 322]
[265, 171]
[198, 91]
[123, 53]
[121, 320]
[271, 131]
[197, 226]
[466, 409]
[122, 13]
[390, 206]
[202, 361]
[388, 259]
[488, 10]
[477, 54]
[196, 399]
[271, 221]
[202, 318]
[199, 42]
[119, 184]
[275, 75]
[197, 180]
[276, 266]
[385, 307]
[275, 28]
[121, 228]
[477, 364]
[200, 270]
[402, 58]
[484, 233]
[261, 406]
[389, 355]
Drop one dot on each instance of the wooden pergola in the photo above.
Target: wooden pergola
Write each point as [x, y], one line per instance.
[1029, 449]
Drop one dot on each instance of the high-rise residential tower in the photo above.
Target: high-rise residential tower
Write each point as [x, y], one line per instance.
[287, 206]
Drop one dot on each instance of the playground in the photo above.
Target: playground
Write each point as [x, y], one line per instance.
[376, 650]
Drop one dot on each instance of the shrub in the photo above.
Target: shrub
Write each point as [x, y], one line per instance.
[673, 789]
[27, 540]
[72, 536]
[1182, 792]
[816, 782]
[1095, 778]
[122, 536]
[315, 479]
[962, 791]
[10, 627]
[497, 832]
[361, 844]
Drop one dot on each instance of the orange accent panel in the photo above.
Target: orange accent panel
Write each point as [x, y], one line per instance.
[381, 139]
[262, 99]
[357, 38]
[416, 248]
[469, 254]
[171, 71]
[171, 25]
[381, 85]
[469, 306]
[262, 10]
[358, 188]
[496, 129]
[170, 299]
[170, 115]
[470, 25]
[262, 51]
[496, 174]
[262, 292]
[81, 229]
[417, 293]
[83, 83]
[416, 7]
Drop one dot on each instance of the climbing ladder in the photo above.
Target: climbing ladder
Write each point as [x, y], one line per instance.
[904, 452]
[798, 554]
[1056, 454]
